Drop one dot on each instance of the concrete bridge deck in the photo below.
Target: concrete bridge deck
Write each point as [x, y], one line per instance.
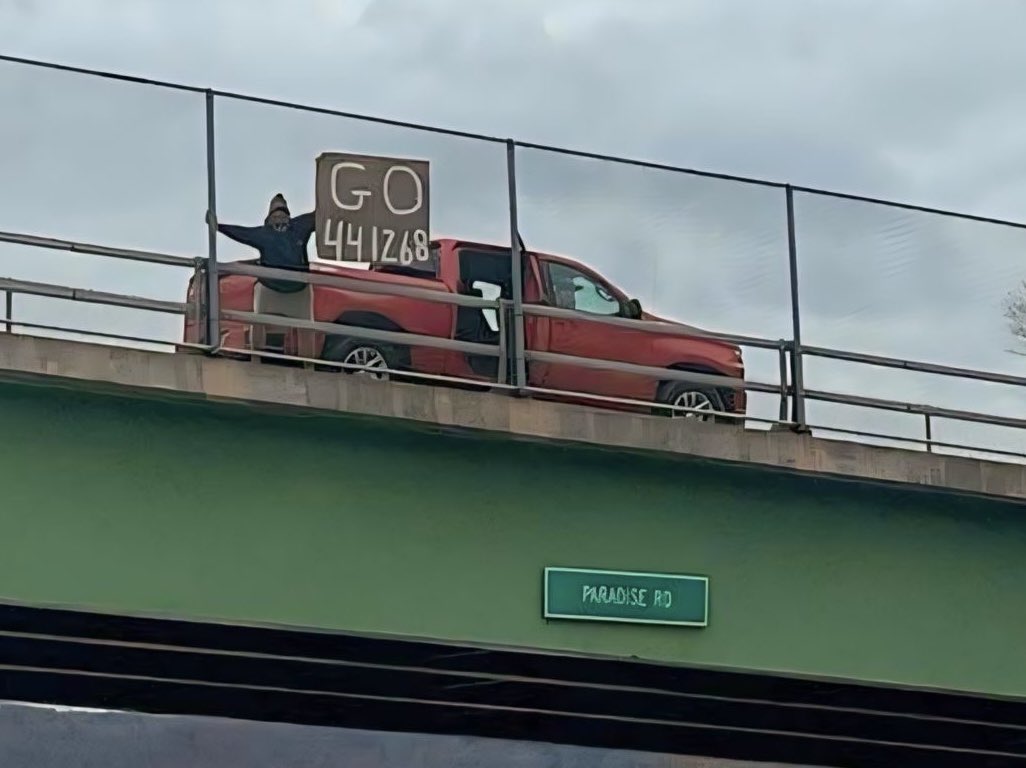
[93, 366]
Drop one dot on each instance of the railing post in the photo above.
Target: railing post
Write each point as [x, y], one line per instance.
[797, 380]
[519, 365]
[8, 309]
[929, 433]
[213, 288]
[502, 318]
[782, 356]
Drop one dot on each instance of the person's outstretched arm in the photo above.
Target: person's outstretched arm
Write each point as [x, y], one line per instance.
[304, 224]
[251, 236]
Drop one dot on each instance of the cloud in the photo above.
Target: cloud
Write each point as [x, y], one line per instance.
[911, 99]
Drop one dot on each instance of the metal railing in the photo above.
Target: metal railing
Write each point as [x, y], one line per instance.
[784, 348]
[512, 352]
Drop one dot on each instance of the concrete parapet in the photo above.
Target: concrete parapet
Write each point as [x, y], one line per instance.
[191, 375]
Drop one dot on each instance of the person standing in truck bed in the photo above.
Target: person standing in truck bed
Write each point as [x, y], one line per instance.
[281, 242]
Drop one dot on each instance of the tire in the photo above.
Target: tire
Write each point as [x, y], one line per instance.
[346, 349]
[686, 394]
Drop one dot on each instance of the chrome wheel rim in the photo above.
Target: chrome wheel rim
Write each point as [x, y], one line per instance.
[699, 401]
[370, 361]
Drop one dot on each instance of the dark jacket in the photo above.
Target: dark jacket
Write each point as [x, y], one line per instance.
[280, 250]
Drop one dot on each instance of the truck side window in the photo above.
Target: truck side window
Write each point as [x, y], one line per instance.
[575, 290]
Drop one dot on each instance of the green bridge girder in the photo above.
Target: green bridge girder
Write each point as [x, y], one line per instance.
[218, 511]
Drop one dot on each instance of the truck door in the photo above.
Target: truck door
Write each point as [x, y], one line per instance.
[536, 327]
[483, 272]
[486, 272]
[590, 298]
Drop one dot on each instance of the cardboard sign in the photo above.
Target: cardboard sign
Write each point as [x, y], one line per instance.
[372, 209]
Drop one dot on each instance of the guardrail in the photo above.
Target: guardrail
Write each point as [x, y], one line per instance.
[52, 291]
[784, 347]
[512, 353]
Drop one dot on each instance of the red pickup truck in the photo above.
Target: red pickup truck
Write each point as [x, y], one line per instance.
[485, 270]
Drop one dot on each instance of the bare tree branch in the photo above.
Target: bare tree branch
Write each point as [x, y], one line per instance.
[1015, 314]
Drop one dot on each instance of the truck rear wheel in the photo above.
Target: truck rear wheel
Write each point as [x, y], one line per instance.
[368, 358]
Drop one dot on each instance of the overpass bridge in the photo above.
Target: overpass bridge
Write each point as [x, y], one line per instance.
[204, 537]
[241, 563]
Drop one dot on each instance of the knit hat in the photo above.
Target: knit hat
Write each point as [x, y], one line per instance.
[278, 204]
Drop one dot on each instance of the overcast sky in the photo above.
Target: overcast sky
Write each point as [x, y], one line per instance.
[921, 100]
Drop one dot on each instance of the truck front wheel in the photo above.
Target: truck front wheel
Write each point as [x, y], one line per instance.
[682, 394]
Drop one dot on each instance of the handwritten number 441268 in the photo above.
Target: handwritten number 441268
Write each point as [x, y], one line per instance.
[412, 246]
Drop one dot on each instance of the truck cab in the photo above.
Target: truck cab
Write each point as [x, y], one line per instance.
[588, 298]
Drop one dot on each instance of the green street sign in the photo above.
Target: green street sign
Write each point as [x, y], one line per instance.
[637, 598]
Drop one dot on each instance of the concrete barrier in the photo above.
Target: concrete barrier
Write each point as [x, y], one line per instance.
[134, 372]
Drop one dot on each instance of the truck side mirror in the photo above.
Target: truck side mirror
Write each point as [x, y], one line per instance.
[633, 309]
